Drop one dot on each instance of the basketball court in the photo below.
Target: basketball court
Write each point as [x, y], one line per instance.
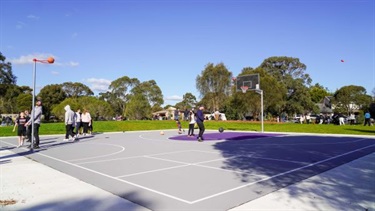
[176, 172]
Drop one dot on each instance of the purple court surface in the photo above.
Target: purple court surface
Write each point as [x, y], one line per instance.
[176, 172]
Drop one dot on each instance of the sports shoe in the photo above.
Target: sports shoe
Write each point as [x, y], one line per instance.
[199, 139]
[36, 147]
[65, 139]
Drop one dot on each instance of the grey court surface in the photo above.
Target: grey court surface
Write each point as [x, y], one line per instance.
[175, 172]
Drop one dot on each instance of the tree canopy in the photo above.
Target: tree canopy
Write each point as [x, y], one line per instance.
[214, 85]
[285, 83]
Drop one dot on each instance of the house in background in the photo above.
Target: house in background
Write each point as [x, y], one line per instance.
[325, 106]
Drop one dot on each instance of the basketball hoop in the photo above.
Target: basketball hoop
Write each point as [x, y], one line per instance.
[244, 89]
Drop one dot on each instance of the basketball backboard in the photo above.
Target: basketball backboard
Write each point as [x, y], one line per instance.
[251, 81]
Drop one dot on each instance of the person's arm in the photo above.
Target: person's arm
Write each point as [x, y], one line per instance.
[66, 118]
[89, 118]
[15, 125]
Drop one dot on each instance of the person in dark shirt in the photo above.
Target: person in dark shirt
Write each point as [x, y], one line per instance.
[20, 123]
[200, 120]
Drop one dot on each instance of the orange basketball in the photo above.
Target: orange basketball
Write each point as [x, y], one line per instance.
[50, 60]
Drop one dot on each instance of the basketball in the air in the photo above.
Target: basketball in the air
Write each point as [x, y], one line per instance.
[50, 60]
[221, 129]
[161, 132]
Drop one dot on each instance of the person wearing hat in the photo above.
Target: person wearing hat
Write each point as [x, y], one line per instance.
[200, 120]
[37, 115]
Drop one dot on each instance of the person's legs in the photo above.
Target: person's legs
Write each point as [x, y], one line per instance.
[78, 128]
[201, 130]
[367, 121]
[71, 132]
[67, 132]
[28, 133]
[36, 135]
[178, 124]
[191, 130]
[85, 127]
[19, 141]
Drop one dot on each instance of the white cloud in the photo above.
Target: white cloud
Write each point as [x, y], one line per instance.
[33, 17]
[98, 84]
[20, 25]
[73, 64]
[173, 98]
[55, 73]
[28, 59]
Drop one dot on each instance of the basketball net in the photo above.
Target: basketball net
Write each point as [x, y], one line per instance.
[244, 89]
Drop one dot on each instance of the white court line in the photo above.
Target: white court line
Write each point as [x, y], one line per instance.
[168, 160]
[298, 144]
[132, 157]
[151, 171]
[251, 156]
[189, 164]
[282, 160]
[111, 177]
[101, 156]
[277, 175]
[179, 142]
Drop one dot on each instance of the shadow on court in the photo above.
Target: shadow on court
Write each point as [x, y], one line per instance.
[289, 160]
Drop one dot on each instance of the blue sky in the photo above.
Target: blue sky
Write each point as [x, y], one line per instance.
[96, 42]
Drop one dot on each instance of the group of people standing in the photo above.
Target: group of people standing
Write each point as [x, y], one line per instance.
[74, 121]
[24, 121]
[193, 118]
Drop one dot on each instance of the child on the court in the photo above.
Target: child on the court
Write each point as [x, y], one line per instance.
[176, 118]
[191, 123]
[20, 122]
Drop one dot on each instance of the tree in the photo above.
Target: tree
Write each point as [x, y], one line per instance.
[51, 96]
[151, 91]
[8, 88]
[188, 101]
[318, 92]
[8, 99]
[138, 108]
[98, 109]
[6, 74]
[119, 94]
[349, 98]
[291, 73]
[214, 81]
[249, 103]
[24, 101]
[286, 68]
[76, 89]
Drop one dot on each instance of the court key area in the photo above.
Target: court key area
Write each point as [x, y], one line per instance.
[176, 172]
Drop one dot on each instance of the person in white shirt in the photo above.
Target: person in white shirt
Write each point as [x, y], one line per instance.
[191, 123]
[86, 121]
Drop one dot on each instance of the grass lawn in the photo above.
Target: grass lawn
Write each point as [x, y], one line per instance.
[118, 126]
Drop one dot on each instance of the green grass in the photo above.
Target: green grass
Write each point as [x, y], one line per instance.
[119, 126]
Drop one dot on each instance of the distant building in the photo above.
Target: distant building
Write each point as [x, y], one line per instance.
[325, 106]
